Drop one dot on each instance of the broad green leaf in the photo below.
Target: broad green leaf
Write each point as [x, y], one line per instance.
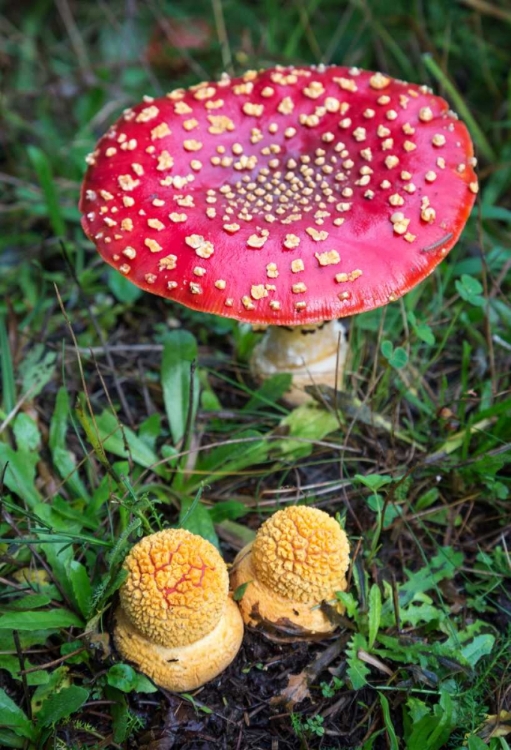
[348, 600]
[270, 391]
[179, 351]
[195, 517]
[427, 498]
[60, 553]
[11, 664]
[13, 717]
[374, 481]
[43, 169]
[10, 739]
[32, 601]
[57, 679]
[81, 586]
[104, 490]
[113, 439]
[69, 517]
[26, 638]
[150, 430]
[243, 533]
[236, 456]
[374, 614]
[357, 669]
[415, 614]
[62, 704]
[120, 714]
[63, 460]
[8, 383]
[497, 213]
[482, 645]
[125, 678]
[122, 677]
[239, 592]
[470, 289]
[122, 288]
[308, 422]
[476, 743]
[20, 474]
[389, 726]
[397, 357]
[54, 618]
[26, 433]
[417, 709]
[443, 565]
[433, 730]
[36, 370]
[228, 510]
[377, 503]
[422, 330]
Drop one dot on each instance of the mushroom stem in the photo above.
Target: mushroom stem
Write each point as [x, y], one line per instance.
[182, 668]
[298, 560]
[313, 355]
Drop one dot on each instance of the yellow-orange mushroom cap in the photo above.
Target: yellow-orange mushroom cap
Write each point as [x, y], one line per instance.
[176, 622]
[298, 559]
[176, 588]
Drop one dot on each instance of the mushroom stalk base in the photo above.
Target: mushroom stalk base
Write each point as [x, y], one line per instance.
[182, 668]
[313, 355]
[261, 607]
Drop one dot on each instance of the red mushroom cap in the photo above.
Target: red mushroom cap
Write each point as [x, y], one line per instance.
[288, 196]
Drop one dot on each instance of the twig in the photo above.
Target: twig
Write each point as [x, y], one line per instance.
[51, 663]
[501, 342]
[119, 348]
[120, 392]
[75, 37]
[488, 9]
[16, 409]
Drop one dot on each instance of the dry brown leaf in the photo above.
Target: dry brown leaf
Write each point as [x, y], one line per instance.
[494, 726]
[296, 691]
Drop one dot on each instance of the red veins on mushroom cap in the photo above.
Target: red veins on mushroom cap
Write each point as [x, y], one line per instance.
[287, 196]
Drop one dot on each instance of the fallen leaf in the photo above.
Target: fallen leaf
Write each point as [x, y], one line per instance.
[297, 688]
[494, 727]
[296, 691]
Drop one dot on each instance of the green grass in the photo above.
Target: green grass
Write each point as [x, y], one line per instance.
[102, 439]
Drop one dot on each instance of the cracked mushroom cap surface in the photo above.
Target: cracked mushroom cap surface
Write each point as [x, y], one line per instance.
[177, 587]
[302, 554]
[285, 196]
[297, 561]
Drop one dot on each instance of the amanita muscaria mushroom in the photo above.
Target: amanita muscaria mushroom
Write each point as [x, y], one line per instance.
[298, 560]
[286, 197]
[176, 622]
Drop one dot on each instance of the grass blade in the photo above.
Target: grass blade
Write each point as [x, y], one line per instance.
[454, 95]
[8, 384]
[44, 175]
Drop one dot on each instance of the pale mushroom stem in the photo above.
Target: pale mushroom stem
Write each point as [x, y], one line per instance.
[312, 354]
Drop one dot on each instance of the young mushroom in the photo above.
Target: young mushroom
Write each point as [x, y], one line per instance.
[298, 560]
[288, 198]
[176, 622]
